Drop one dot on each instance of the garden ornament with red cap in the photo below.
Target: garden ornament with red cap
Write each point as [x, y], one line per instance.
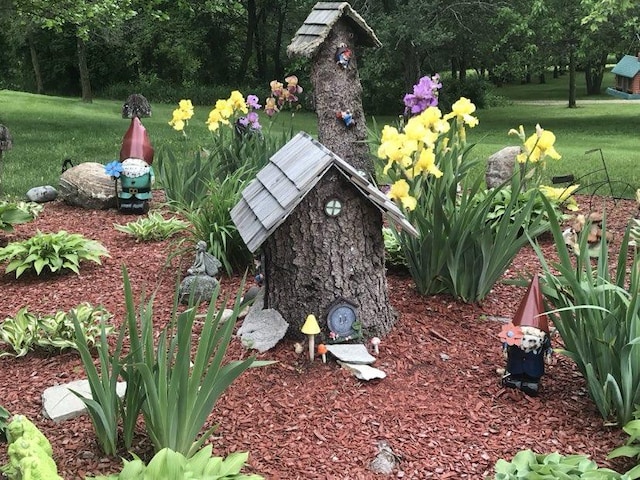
[526, 343]
[137, 174]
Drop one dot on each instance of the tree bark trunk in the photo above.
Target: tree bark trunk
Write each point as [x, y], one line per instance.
[594, 73]
[314, 260]
[85, 82]
[572, 77]
[36, 65]
[252, 21]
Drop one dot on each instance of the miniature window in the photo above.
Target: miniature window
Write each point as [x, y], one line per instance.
[333, 207]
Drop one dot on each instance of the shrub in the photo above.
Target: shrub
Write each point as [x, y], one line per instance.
[598, 317]
[153, 227]
[168, 464]
[54, 251]
[27, 331]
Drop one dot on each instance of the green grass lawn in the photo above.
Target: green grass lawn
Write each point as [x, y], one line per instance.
[46, 130]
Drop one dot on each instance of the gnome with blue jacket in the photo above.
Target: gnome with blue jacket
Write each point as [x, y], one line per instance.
[137, 174]
[526, 343]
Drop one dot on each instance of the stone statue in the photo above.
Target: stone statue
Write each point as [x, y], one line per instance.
[205, 263]
[200, 280]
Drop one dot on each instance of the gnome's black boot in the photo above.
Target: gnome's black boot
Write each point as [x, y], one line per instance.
[530, 387]
[511, 381]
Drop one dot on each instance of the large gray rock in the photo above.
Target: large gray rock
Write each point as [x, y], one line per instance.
[42, 194]
[262, 329]
[501, 165]
[60, 403]
[86, 185]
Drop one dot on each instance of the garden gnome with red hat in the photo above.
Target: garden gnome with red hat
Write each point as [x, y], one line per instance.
[137, 174]
[527, 343]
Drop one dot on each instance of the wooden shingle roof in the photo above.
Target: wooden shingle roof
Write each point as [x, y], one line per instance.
[628, 66]
[316, 28]
[291, 173]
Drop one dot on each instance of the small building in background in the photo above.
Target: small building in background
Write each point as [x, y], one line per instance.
[627, 72]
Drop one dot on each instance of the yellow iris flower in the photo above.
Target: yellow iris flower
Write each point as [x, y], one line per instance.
[400, 192]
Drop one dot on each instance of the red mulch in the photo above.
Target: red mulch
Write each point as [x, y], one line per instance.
[441, 407]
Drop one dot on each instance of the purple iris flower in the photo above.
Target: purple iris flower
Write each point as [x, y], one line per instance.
[254, 120]
[252, 101]
[425, 95]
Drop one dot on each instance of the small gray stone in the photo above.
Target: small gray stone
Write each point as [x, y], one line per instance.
[351, 353]
[42, 194]
[203, 287]
[363, 372]
[262, 329]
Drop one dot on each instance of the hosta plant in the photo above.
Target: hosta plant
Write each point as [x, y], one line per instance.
[153, 227]
[169, 465]
[52, 252]
[632, 446]
[4, 423]
[26, 331]
[552, 466]
[12, 213]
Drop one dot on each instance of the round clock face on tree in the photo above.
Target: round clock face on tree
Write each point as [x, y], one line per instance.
[340, 320]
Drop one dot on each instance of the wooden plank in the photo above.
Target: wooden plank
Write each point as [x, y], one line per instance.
[312, 30]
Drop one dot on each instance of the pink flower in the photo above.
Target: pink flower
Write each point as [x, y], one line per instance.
[511, 334]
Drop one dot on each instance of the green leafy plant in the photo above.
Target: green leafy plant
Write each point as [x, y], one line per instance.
[26, 331]
[29, 452]
[394, 256]
[4, 422]
[55, 252]
[552, 466]
[12, 213]
[104, 406]
[168, 464]
[598, 317]
[153, 227]
[632, 446]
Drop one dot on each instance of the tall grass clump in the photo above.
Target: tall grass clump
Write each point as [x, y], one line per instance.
[597, 313]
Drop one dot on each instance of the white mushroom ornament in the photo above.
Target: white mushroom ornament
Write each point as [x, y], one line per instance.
[375, 342]
[311, 329]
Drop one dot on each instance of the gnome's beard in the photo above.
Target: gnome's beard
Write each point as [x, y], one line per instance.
[532, 340]
[134, 167]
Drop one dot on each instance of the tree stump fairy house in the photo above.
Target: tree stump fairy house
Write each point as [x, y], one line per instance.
[312, 211]
[308, 214]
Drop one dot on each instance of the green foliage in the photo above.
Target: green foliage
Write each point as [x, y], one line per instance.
[4, 422]
[29, 452]
[180, 395]
[153, 227]
[458, 251]
[174, 395]
[552, 466]
[104, 406]
[168, 464]
[12, 213]
[598, 317]
[54, 251]
[632, 446]
[27, 331]
[394, 256]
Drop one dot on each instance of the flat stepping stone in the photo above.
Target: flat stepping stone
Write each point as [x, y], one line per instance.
[363, 372]
[60, 403]
[351, 353]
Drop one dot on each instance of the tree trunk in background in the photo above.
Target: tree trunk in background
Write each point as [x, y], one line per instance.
[85, 81]
[340, 257]
[594, 73]
[572, 77]
[36, 65]
[252, 21]
[281, 15]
